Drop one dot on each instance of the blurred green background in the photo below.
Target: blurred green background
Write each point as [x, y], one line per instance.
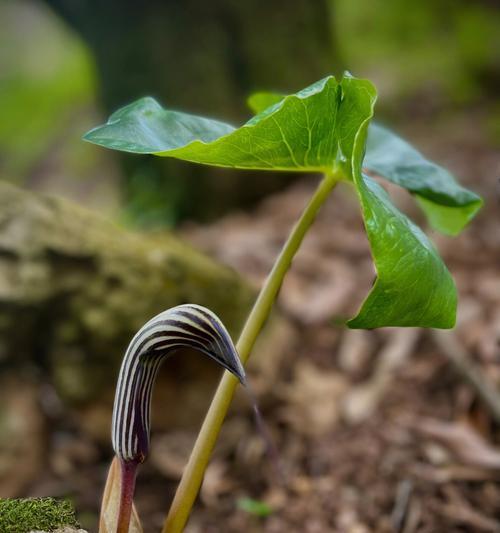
[65, 65]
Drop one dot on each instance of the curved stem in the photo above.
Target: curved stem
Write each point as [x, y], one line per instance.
[193, 473]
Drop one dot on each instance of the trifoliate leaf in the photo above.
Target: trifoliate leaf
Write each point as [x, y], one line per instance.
[323, 128]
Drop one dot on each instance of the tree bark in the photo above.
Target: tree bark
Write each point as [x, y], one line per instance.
[203, 58]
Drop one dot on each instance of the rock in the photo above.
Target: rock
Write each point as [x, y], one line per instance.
[22, 435]
[74, 289]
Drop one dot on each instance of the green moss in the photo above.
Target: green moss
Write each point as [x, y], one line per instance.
[46, 514]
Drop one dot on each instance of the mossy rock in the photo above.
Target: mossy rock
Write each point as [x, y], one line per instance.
[75, 289]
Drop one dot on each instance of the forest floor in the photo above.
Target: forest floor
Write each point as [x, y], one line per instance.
[376, 431]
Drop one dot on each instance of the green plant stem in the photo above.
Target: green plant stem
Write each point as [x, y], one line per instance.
[193, 473]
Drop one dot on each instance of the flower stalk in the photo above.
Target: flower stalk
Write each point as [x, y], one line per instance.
[198, 461]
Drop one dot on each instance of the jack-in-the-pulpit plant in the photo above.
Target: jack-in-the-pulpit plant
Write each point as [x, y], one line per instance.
[327, 129]
[184, 326]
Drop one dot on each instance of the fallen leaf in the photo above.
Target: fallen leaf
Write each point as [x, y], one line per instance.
[361, 401]
[313, 399]
[465, 443]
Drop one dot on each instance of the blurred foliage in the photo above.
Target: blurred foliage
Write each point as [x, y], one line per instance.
[448, 47]
[254, 507]
[46, 76]
[57, 58]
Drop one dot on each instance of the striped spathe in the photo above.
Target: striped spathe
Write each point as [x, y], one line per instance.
[183, 326]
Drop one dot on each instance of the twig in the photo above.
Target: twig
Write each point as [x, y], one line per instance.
[401, 505]
[363, 399]
[470, 371]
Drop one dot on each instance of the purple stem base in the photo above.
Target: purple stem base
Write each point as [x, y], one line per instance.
[127, 487]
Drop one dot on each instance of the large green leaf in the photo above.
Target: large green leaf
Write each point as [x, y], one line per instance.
[321, 128]
[448, 205]
[297, 135]
[413, 286]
